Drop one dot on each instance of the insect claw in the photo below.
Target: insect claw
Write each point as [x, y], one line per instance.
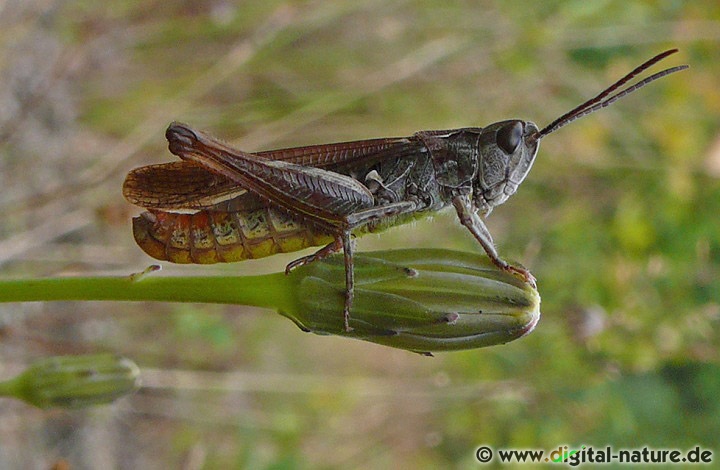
[346, 321]
[134, 277]
[522, 273]
[294, 264]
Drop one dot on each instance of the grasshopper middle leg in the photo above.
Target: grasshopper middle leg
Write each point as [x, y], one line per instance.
[343, 240]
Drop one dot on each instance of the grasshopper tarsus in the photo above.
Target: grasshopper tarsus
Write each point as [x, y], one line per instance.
[517, 271]
[525, 275]
[346, 317]
[135, 277]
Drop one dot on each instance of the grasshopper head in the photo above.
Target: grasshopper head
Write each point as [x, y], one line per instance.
[507, 149]
[506, 152]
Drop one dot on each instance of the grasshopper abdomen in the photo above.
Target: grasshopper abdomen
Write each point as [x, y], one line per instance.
[208, 237]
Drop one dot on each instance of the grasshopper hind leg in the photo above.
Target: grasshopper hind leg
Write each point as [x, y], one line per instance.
[343, 241]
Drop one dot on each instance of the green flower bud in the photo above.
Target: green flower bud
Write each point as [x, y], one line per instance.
[74, 381]
[419, 300]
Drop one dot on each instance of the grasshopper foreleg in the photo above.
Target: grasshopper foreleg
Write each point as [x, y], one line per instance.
[469, 218]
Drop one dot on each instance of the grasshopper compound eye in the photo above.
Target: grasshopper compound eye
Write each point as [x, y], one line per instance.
[509, 136]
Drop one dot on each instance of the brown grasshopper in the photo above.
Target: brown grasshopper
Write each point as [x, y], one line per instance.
[220, 204]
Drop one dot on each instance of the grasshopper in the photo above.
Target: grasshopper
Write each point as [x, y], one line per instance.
[220, 204]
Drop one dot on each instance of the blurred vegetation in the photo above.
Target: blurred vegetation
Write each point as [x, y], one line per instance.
[618, 220]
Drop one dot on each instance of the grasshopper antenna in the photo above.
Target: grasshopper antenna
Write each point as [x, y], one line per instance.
[603, 99]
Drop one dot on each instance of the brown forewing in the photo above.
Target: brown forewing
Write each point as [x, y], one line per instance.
[186, 185]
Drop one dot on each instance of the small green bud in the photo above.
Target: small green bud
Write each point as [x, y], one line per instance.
[420, 300]
[74, 381]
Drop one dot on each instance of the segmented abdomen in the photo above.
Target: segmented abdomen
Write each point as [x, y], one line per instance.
[207, 237]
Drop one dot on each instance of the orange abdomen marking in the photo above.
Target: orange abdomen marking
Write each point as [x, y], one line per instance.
[208, 237]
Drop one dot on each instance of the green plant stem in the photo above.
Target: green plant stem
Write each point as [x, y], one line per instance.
[419, 300]
[9, 388]
[270, 290]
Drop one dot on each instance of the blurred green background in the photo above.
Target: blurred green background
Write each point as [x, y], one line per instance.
[618, 220]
